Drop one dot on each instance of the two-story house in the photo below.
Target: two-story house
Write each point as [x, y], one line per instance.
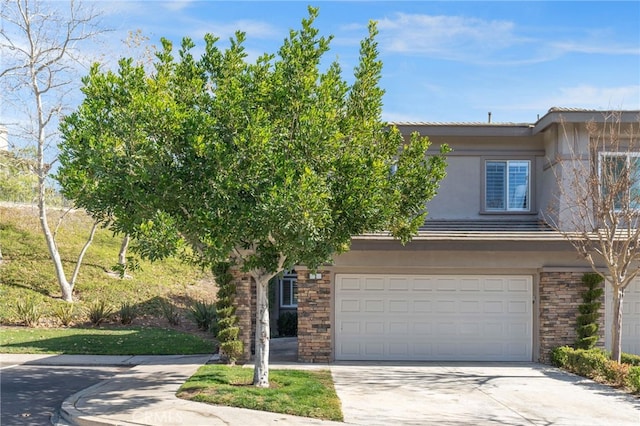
[486, 279]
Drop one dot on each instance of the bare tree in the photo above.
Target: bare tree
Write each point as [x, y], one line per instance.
[39, 45]
[598, 207]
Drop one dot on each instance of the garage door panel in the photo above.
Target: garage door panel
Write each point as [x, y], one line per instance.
[399, 284]
[349, 283]
[493, 285]
[399, 306]
[469, 285]
[350, 305]
[422, 306]
[374, 306]
[469, 306]
[518, 307]
[422, 284]
[458, 318]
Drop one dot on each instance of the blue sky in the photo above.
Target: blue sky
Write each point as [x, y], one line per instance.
[448, 61]
[451, 61]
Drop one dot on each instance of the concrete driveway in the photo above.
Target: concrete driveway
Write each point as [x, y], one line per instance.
[476, 394]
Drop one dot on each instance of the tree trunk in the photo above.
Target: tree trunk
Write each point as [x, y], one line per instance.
[261, 370]
[65, 287]
[616, 326]
[76, 270]
[122, 255]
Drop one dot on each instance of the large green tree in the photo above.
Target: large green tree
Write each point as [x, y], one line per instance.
[265, 164]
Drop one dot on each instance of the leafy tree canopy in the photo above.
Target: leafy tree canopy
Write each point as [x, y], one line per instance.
[270, 163]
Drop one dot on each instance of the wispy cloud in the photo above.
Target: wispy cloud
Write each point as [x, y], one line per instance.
[591, 47]
[490, 42]
[176, 5]
[254, 29]
[584, 96]
[447, 37]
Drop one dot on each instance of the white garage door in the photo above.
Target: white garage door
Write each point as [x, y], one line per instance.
[630, 318]
[433, 318]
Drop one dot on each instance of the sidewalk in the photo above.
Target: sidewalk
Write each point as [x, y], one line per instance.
[145, 394]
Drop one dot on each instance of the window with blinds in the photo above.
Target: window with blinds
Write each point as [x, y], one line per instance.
[507, 186]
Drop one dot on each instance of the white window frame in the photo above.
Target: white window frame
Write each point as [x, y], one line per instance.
[292, 281]
[507, 208]
[627, 156]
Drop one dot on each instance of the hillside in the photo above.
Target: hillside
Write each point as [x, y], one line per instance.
[27, 271]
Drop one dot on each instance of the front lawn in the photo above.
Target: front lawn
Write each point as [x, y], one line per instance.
[295, 392]
[102, 341]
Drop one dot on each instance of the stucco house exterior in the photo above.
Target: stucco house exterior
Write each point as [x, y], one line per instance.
[486, 278]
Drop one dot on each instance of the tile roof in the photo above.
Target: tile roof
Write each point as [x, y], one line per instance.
[479, 230]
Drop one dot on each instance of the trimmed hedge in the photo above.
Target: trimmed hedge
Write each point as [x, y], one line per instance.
[595, 364]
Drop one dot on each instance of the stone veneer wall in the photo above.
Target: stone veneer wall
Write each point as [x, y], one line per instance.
[314, 317]
[560, 295]
[245, 310]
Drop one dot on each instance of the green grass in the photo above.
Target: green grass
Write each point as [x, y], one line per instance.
[295, 392]
[102, 341]
[27, 271]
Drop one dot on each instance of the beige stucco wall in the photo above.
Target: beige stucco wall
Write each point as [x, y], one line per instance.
[461, 192]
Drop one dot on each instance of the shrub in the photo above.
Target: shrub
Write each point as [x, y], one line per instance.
[28, 311]
[226, 330]
[170, 312]
[633, 379]
[587, 321]
[203, 314]
[231, 349]
[99, 311]
[588, 363]
[228, 334]
[560, 356]
[595, 364]
[615, 373]
[127, 313]
[630, 359]
[65, 312]
[288, 324]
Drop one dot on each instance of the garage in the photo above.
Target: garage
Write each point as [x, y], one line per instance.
[433, 317]
[630, 318]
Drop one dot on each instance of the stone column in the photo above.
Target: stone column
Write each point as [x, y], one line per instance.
[245, 311]
[560, 296]
[314, 317]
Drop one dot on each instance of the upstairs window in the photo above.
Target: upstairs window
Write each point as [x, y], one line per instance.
[507, 186]
[620, 173]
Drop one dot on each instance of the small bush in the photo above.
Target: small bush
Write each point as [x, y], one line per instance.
[630, 359]
[615, 373]
[170, 312]
[28, 311]
[127, 313]
[203, 314]
[99, 311]
[587, 322]
[65, 313]
[560, 356]
[633, 379]
[231, 350]
[228, 333]
[288, 324]
[588, 363]
[595, 364]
